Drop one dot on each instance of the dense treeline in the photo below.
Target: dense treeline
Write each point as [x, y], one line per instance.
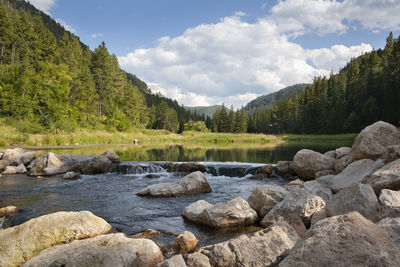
[228, 122]
[366, 90]
[49, 78]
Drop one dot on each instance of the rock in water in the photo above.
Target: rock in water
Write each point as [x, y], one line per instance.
[105, 250]
[307, 162]
[296, 203]
[20, 169]
[194, 210]
[21, 243]
[71, 176]
[392, 227]
[373, 141]
[185, 243]
[262, 248]
[190, 184]
[114, 158]
[234, 212]
[387, 177]
[9, 210]
[389, 203]
[344, 240]
[264, 197]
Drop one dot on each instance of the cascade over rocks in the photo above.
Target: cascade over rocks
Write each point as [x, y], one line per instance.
[190, 184]
[297, 203]
[387, 177]
[261, 248]
[307, 162]
[234, 212]
[23, 242]
[344, 240]
[264, 197]
[105, 250]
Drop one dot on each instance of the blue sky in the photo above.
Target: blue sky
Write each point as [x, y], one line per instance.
[208, 52]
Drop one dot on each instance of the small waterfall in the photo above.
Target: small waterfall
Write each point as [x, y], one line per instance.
[138, 168]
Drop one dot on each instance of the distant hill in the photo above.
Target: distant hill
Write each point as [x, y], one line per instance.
[269, 100]
[207, 111]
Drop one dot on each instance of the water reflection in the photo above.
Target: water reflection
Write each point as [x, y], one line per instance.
[244, 152]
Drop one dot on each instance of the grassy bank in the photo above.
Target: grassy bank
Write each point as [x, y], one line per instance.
[318, 138]
[10, 136]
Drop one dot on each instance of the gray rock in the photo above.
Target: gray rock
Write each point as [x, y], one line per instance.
[316, 188]
[194, 210]
[389, 203]
[4, 164]
[358, 197]
[342, 163]
[96, 165]
[185, 243]
[387, 177]
[341, 152]
[344, 240]
[114, 158]
[11, 154]
[356, 172]
[323, 173]
[175, 261]
[373, 141]
[197, 260]
[190, 184]
[23, 242]
[105, 250]
[285, 167]
[264, 197]
[297, 203]
[234, 212]
[71, 176]
[262, 248]
[50, 164]
[294, 185]
[392, 227]
[266, 169]
[392, 153]
[307, 162]
[330, 154]
[20, 169]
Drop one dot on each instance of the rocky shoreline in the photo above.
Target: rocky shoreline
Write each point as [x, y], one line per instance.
[341, 208]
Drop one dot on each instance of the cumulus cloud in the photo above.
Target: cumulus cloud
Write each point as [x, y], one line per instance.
[95, 35]
[66, 26]
[43, 5]
[231, 61]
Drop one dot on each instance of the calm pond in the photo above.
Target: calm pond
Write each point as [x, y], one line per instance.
[112, 196]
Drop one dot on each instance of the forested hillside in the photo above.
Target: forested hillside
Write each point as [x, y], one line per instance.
[367, 89]
[50, 80]
[267, 101]
[208, 111]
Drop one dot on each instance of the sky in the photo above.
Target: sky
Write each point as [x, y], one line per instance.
[228, 51]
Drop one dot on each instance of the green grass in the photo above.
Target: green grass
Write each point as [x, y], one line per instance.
[324, 137]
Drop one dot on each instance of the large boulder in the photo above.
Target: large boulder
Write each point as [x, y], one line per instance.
[21, 243]
[285, 168]
[373, 141]
[20, 169]
[343, 158]
[297, 203]
[51, 164]
[389, 203]
[95, 165]
[12, 154]
[262, 248]
[264, 197]
[197, 260]
[344, 240]
[387, 177]
[194, 210]
[316, 188]
[358, 197]
[356, 172]
[105, 250]
[392, 227]
[174, 261]
[234, 212]
[190, 184]
[185, 243]
[307, 162]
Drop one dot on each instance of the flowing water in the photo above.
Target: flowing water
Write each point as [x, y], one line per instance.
[112, 196]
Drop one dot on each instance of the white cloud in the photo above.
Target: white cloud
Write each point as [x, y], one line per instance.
[95, 35]
[231, 61]
[66, 26]
[43, 5]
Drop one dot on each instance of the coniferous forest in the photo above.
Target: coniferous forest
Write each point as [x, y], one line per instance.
[51, 80]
